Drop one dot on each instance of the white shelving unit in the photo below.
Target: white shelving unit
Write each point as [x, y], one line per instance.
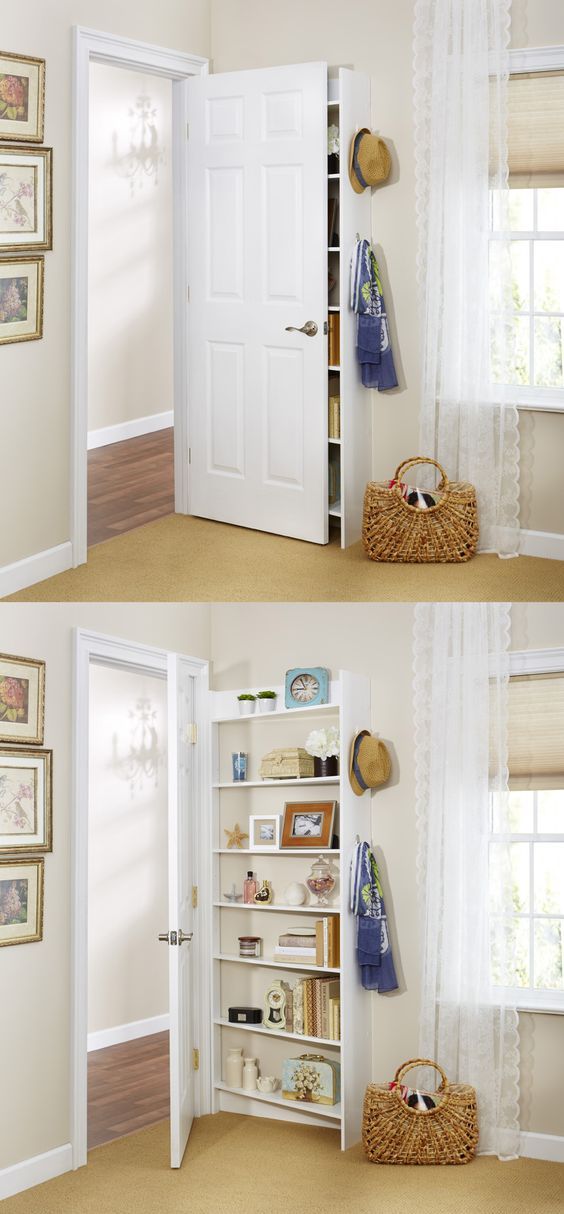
[348, 107]
[243, 981]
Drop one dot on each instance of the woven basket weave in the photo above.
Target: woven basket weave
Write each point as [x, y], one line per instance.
[392, 530]
[393, 1132]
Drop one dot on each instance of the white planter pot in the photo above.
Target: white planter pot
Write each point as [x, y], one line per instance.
[266, 705]
[246, 707]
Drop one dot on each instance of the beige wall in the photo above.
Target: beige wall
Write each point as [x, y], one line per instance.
[130, 252]
[34, 404]
[377, 38]
[376, 640]
[34, 1019]
[127, 849]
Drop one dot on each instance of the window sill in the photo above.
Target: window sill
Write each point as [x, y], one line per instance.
[550, 1003]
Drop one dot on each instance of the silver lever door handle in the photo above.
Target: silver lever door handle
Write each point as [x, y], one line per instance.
[310, 328]
[176, 937]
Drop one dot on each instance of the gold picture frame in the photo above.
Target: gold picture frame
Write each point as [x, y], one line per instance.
[26, 800]
[26, 199]
[22, 700]
[22, 98]
[21, 901]
[21, 301]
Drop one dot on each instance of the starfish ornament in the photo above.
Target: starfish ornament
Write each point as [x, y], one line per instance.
[235, 837]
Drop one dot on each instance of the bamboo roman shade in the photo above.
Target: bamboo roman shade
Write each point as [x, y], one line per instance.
[536, 731]
[536, 129]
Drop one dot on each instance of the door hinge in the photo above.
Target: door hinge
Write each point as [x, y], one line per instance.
[196, 1060]
[192, 733]
[194, 896]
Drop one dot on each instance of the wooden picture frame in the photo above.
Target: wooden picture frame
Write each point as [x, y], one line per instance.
[21, 303]
[22, 98]
[308, 824]
[21, 901]
[26, 800]
[22, 698]
[264, 832]
[26, 199]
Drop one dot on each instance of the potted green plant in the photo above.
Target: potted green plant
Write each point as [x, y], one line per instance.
[325, 746]
[247, 703]
[266, 701]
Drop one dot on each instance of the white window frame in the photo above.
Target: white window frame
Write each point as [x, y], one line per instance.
[530, 398]
[525, 999]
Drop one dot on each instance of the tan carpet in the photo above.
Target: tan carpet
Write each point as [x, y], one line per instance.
[243, 1165]
[194, 560]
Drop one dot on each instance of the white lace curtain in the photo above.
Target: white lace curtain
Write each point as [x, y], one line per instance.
[461, 66]
[468, 1025]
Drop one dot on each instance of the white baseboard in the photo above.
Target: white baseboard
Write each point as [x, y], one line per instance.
[35, 568]
[132, 429]
[549, 544]
[542, 1146]
[34, 1171]
[128, 1032]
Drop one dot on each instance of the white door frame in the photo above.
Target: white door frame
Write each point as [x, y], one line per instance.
[91, 45]
[127, 655]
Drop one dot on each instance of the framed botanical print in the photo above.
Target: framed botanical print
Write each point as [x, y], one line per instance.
[22, 98]
[21, 301]
[21, 901]
[26, 199]
[22, 699]
[26, 794]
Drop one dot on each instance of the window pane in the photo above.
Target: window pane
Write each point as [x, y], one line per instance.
[550, 812]
[549, 878]
[520, 283]
[517, 352]
[550, 210]
[510, 964]
[549, 275]
[549, 352]
[509, 867]
[549, 954]
[519, 820]
[521, 210]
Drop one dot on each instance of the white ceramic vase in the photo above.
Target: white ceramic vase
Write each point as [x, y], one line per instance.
[234, 1067]
[246, 707]
[250, 1074]
[266, 705]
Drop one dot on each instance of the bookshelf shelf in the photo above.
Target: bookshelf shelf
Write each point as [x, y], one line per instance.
[277, 965]
[281, 1033]
[335, 510]
[297, 783]
[332, 1112]
[335, 441]
[320, 911]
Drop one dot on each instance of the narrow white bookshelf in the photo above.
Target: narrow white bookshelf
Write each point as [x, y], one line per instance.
[349, 454]
[242, 981]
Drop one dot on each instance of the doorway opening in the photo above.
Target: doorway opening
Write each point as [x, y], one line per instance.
[130, 301]
[128, 995]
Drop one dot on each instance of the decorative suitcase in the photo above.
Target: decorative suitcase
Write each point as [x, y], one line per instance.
[311, 1078]
[293, 762]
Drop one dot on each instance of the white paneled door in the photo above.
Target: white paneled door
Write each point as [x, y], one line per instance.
[257, 194]
[180, 877]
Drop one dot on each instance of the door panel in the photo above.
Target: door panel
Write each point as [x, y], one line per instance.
[181, 866]
[258, 262]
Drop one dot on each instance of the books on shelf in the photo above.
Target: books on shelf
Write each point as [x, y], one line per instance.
[327, 942]
[334, 329]
[317, 1005]
[334, 417]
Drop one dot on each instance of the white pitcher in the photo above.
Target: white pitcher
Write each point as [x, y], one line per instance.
[250, 1074]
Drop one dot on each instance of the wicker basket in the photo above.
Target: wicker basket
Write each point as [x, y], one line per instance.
[392, 530]
[393, 1132]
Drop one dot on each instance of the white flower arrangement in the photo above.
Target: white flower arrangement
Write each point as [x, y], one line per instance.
[324, 743]
[333, 140]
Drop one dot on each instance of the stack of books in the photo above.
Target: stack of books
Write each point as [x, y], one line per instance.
[334, 417]
[297, 944]
[317, 1008]
[328, 952]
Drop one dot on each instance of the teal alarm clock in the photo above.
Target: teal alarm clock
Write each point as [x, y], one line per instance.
[307, 686]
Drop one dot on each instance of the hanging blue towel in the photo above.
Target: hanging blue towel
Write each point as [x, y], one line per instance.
[374, 351]
[374, 951]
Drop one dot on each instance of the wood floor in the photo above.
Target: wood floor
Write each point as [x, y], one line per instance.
[128, 1088]
[129, 484]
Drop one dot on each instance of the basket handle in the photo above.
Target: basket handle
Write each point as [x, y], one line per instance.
[408, 1066]
[406, 464]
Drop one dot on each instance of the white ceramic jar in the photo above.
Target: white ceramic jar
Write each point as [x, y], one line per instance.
[250, 1074]
[234, 1067]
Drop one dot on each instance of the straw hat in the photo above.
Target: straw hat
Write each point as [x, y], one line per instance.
[370, 763]
[369, 162]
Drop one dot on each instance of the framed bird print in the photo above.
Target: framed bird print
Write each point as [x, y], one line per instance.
[26, 813]
[25, 199]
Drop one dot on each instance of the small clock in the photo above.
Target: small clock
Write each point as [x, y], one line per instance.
[305, 687]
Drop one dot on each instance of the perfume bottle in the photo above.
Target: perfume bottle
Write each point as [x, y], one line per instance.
[249, 888]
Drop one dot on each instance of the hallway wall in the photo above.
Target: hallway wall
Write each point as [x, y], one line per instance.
[130, 316]
[35, 399]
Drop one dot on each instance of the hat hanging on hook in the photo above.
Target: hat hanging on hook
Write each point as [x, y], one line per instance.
[370, 762]
[369, 162]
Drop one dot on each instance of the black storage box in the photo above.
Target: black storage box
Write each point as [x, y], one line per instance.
[244, 1015]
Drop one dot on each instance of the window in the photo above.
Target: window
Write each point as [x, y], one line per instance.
[533, 816]
[534, 225]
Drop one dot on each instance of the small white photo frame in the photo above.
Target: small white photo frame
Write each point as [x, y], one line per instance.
[264, 832]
